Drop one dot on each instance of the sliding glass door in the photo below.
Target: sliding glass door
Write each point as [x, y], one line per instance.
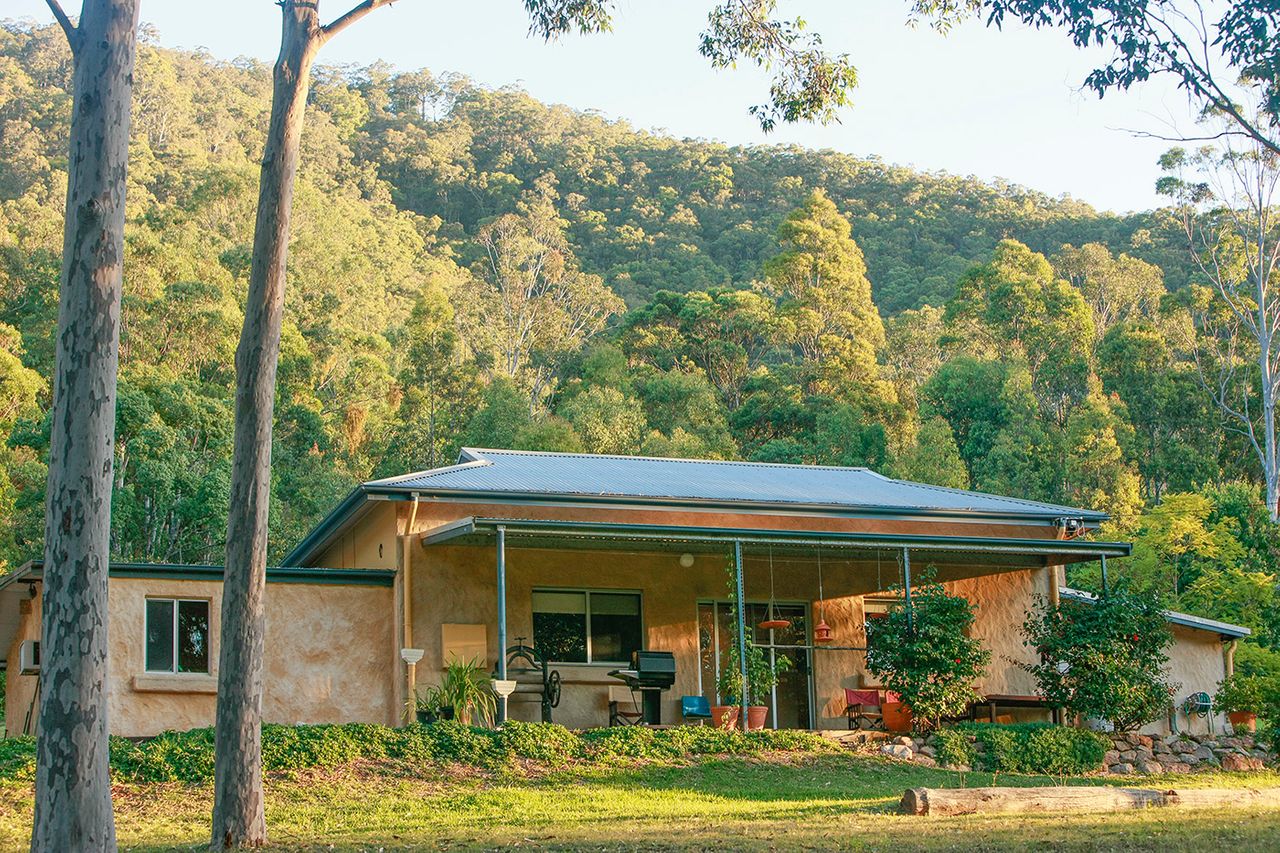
[791, 706]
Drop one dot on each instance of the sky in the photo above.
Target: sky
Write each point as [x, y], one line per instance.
[998, 105]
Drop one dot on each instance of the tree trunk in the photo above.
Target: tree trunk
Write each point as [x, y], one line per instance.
[238, 819]
[1069, 800]
[73, 788]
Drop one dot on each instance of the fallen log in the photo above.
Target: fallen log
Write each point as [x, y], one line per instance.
[1102, 798]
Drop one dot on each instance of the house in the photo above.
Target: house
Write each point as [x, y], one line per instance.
[589, 558]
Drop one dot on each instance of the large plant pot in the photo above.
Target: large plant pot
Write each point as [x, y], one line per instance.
[757, 716]
[1243, 721]
[426, 717]
[724, 716]
[897, 717]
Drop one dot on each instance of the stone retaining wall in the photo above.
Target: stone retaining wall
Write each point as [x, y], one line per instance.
[1130, 754]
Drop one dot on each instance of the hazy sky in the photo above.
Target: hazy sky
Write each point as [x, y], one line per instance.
[996, 105]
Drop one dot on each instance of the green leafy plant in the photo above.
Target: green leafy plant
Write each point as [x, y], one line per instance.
[1104, 658]
[467, 689]
[925, 654]
[1241, 694]
[427, 700]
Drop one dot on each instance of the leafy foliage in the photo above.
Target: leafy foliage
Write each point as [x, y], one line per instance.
[924, 653]
[1022, 748]
[1103, 659]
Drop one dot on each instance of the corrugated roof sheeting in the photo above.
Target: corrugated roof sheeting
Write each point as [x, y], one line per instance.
[645, 478]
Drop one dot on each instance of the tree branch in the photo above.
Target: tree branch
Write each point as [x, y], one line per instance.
[72, 33]
[354, 14]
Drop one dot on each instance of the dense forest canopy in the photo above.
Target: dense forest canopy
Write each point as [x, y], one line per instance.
[472, 266]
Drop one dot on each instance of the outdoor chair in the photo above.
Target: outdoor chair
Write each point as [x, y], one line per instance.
[695, 708]
[624, 708]
[863, 709]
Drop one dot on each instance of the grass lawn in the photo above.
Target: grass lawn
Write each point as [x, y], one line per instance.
[825, 802]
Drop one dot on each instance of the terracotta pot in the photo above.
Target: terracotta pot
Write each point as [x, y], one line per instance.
[1243, 721]
[897, 717]
[724, 716]
[757, 716]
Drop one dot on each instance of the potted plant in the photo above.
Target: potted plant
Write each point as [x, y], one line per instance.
[465, 693]
[762, 677]
[427, 705]
[1240, 698]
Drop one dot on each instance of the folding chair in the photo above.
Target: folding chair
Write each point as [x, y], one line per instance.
[624, 708]
[863, 706]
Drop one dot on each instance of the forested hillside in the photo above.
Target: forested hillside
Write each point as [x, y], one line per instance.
[473, 266]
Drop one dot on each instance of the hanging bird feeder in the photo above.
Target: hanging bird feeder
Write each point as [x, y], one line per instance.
[821, 631]
[773, 622]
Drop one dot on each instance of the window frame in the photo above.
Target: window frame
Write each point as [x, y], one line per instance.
[587, 592]
[177, 601]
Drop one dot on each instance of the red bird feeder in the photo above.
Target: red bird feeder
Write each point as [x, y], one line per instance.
[822, 632]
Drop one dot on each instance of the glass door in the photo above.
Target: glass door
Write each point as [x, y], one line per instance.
[791, 705]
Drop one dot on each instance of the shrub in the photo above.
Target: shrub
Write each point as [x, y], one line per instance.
[1103, 659]
[18, 757]
[1241, 694]
[925, 655]
[1021, 748]
[544, 742]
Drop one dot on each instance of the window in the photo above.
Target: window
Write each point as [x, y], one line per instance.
[177, 635]
[586, 626]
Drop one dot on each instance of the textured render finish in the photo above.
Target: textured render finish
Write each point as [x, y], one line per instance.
[370, 543]
[1196, 663]
[328, 659]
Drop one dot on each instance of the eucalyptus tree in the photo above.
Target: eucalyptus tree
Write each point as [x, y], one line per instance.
[1226, 197]
[73, 788]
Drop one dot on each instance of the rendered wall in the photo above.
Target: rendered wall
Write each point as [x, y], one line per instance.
[327, 659]
[1196, 663]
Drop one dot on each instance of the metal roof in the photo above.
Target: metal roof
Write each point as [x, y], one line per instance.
[582, 475]
[515, 476]
[1186, 620]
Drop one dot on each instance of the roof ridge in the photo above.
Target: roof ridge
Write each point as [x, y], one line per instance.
[429, 472]
[480, 451]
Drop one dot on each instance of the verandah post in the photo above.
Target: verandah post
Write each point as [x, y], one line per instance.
[742, 630]
[502, 619]
[906, 584]
[1104, 574]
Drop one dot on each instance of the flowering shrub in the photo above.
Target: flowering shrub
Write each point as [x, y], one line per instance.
[926, 655]
[1103, 659]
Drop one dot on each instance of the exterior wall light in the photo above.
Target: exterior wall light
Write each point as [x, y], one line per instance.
[686, 560]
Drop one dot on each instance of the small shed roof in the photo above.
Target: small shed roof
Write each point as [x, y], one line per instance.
[1186, 620]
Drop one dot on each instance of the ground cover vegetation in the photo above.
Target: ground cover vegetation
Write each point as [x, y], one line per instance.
[470, 266]
[729, 799]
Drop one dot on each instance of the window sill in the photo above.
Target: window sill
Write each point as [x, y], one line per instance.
[178, 683]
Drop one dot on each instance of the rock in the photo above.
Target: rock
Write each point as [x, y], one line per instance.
[1121, 769]
[1177, 767]
[1185, 747]
[1248, 742]
[1202, 753]
[928, 750]
[1129, 755]
[1112, 757]
[1145, 754]
[1142, 740]
[897, 750]
[925, 761]
[903, 740]
[1161, 748]
[1149, 767]
[1237, 763]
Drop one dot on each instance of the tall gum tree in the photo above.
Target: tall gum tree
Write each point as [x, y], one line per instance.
[73, 788]
[807, 85]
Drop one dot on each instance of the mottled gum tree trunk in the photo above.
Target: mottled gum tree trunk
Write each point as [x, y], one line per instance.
[73, 789]
[238, 819]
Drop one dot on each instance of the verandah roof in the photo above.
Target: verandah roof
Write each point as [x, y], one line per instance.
[956, 550]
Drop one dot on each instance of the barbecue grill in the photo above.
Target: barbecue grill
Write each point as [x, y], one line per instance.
[650, 674]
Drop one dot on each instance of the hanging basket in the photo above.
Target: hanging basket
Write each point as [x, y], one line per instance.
[774, 624]
[822, 632]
